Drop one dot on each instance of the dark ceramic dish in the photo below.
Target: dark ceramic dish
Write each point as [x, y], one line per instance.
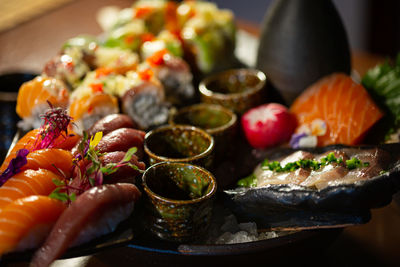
[179, 143]
[179, 200]
[236, 89]
[216, 120]
[293, 205]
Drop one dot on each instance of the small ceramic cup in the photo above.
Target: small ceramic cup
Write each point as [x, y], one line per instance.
[179, 143]
[179, 200]
[236, 89]
[216, 120]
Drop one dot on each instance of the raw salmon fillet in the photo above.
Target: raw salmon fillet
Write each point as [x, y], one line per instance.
[26, 222]
[343, 104]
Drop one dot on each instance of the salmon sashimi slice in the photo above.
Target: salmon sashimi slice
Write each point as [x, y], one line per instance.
[344, 105]
[26, 222]
[52, 159]
[27, 183]
[33, 96]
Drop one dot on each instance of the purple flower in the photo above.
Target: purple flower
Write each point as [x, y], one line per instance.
[15, 165]
[295, 140]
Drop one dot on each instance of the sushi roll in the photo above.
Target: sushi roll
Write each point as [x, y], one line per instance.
[118, 60]
[91, 101]
[208, 35]
[145, 101]
[165, 40]
[88, 109]
[33, 98]
[175, 76]
[128, 36]
[84, 46]
[68, 66]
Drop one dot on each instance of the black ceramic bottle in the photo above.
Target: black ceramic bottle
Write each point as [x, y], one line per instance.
[301, 41]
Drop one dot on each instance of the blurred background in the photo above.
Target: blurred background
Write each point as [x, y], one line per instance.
[372, 25]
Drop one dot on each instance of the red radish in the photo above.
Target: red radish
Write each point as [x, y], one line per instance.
[268, 125]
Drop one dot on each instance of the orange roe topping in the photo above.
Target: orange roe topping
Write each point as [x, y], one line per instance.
[171, 20]
[146, 74]
[129, 39]
[100, 72]
[142, 12]
[147, 37]
[97, 87]
[157, 58]
[90, 109]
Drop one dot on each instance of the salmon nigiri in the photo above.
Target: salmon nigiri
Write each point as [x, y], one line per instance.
[26, 142]
[26, 222]
[33, 96]
[30, 140]
[27, 183]
[52, 159]
[344, 105]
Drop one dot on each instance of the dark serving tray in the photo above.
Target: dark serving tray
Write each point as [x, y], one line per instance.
[131, 237]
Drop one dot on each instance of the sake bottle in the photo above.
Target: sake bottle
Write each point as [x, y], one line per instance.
[301, 41]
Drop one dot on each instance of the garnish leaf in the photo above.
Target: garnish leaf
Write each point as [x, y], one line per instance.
[129, 154]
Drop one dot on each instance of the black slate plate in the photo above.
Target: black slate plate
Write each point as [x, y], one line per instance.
[297, 206]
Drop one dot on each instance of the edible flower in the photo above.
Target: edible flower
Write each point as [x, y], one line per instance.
[307, 134]
[15, 165]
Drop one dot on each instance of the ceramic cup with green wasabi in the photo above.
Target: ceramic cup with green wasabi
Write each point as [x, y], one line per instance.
[179, 200]
[179, 143]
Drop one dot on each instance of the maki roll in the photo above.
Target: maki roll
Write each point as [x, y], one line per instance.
[33, 98]
[72, 63]
[208, 35]
[144, 102]
[89, 104]
[175, 76]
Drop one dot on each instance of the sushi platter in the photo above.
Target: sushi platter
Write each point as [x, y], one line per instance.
[160, 136]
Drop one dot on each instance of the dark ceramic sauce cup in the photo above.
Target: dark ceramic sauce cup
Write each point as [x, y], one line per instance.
[236, 89]
[216, 120]
[179, 200]
[179, 143]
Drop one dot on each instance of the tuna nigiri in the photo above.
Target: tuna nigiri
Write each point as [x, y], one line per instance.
[26, 183]
[25, 223]
[52, 159]
[344, 105]
[33, 96]
[96, 212]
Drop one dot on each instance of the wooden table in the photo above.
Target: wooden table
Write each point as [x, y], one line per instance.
[28, 46]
